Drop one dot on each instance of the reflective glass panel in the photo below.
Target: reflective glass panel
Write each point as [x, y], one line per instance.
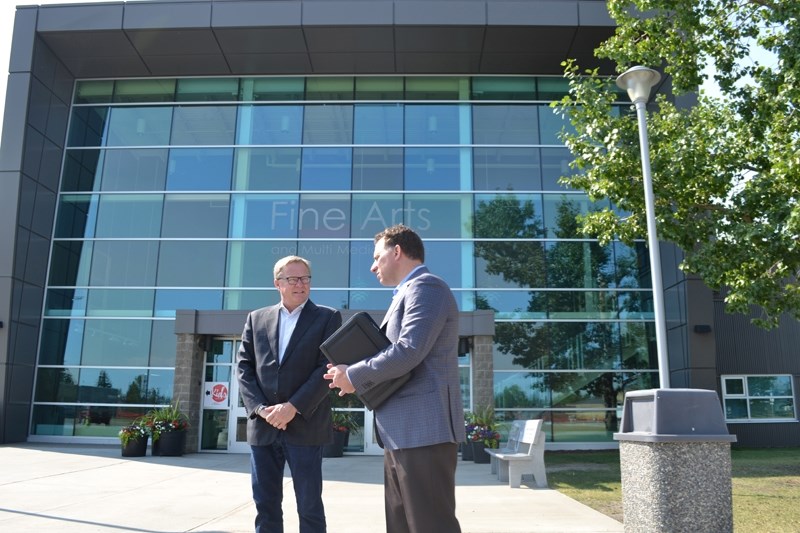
[438, 215]
[139, 126]
[119, 302]
[327, 169]
[504, 88]
[550, 124]
[170, 300]
[335, 299]
[109, 342]
[200, 169]
[507, 216]
[769, 385]
[553, 88]
[124, 263]
[272, 89]
[163, 343]
[94, 91]
[505, 124]
[61, 342]
[270, 124]
[360, 275]
[134, 170]
[195, 215]
[504, 169]
[203, 125]
[99, 385]
[436, 88]
[372, 213]
[330, 263]
[378, 124]
[574, 265]
[147, 90]
[207, 90]
[445, 259]
[56, 385]
[328, 124]
[582, 304]
[250, 262]
[81, 171]
[87, 126]
[69, 263]
[129, 215]
[637, 345]
[378, 169]
[76, 216]
[324, 216]
[191, 264]
[432, 124]
[159, 385]
[560, 211]
[264, 215]
[379, 88]
[772, 408]
[555, 164]
[246, 300]
[267, 169]
[510, 264]
[65, 302]
[329, 88]
[514, 305]
[434, 169]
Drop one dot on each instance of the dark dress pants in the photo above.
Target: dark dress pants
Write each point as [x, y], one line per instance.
[420, 489]
[267, 465]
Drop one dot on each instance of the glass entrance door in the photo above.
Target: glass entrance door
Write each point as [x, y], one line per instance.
[223, 421]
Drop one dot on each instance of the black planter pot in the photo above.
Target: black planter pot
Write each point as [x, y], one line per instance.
[135, 447]
[336, 448]
[171, 443]
[466, 451]
[478, 455]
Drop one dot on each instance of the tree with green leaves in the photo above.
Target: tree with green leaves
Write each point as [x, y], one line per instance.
[726, 169]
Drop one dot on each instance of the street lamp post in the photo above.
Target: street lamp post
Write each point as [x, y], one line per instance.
[638, 81]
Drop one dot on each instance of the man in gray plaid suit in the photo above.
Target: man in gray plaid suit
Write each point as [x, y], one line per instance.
[421, 425]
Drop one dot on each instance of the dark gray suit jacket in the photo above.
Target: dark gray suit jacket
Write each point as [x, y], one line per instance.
[422, 324]
[298, 379]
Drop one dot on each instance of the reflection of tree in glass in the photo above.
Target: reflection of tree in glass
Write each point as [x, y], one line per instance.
[135, 389]
[103, 381]
[567, 265]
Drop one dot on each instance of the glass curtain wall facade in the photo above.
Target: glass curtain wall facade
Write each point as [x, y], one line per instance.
[182, 194]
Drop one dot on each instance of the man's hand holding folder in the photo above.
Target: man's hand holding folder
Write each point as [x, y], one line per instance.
[359, 338]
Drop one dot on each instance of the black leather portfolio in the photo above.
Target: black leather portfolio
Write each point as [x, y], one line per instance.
[359, 338]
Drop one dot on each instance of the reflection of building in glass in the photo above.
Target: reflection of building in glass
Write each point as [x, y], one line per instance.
[172, 178]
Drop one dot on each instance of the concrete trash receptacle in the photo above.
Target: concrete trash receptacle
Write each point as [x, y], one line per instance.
[675, 462]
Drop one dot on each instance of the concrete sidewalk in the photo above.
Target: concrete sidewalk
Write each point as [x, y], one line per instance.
[70, 488]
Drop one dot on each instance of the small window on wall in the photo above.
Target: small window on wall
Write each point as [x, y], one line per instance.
[758, 398]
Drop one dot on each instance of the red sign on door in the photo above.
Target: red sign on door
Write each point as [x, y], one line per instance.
[216, 395]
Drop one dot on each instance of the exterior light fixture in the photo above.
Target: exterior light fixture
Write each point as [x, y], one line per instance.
[638, 82]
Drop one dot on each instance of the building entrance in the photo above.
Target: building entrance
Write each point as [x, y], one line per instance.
[224, 418]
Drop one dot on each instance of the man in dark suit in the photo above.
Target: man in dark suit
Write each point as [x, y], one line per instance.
[280, 367]
[422, 423]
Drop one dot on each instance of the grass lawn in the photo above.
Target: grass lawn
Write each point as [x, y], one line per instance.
[766, 485]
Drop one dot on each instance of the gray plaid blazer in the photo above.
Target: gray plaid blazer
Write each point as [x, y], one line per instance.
[422, 324]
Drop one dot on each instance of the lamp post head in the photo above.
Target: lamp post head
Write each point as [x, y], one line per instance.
[638, 81]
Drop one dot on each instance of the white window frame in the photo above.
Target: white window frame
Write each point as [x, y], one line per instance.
[745, 395]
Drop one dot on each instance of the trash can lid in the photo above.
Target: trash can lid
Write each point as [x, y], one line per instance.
[673, 415]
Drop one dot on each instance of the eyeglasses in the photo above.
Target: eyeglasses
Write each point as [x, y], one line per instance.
[293, 280]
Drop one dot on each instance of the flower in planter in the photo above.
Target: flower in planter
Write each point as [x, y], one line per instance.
[488, 435]
[136, 430]
[166, 419]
